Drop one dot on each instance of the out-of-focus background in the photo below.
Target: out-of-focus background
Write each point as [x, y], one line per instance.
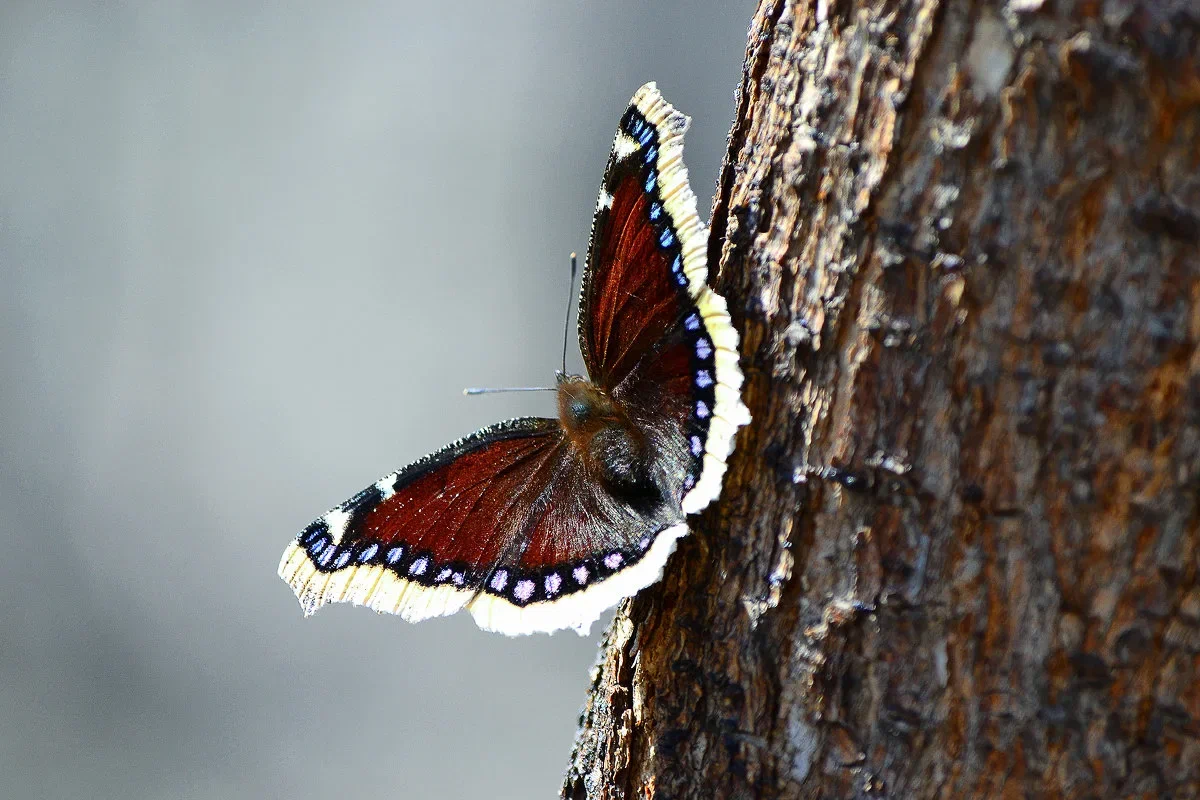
[250, 254]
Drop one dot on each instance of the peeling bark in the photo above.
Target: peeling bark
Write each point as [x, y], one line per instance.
[962, 244]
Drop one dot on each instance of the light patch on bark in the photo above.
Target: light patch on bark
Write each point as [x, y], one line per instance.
[990, 56]
[803, 740]
[941, 663]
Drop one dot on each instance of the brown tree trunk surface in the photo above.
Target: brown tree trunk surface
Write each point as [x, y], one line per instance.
[962, 244]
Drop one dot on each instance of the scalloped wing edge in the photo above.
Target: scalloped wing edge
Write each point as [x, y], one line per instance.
[579, 610]
[379, 588]
[679, 202]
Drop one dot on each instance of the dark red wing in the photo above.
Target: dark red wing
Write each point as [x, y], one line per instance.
[652, 332]
[421, 542]
[630, 298]
[506, 522]
[584, 549]
[634, 286]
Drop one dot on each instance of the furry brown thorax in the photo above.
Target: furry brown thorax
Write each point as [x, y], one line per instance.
[612, 447]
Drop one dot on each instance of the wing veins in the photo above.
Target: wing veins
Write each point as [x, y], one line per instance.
[521, 541]
[619, 247]
[479, 498]
[644, 324]
[417, 540]
[442, 493]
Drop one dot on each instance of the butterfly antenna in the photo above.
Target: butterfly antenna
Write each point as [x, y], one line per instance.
[566, 332]
[474, 391]
[567, 321]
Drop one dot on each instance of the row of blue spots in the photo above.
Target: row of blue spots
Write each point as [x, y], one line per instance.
[644, 132]
[312, 532]
[677, 270]
[323, 551]
[641, 130]
[700, 411]
[703, 380]
[320, 548]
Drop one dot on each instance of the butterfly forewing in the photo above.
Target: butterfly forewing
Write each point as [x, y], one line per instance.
[442, 523]
[652, 332]
[630, 298]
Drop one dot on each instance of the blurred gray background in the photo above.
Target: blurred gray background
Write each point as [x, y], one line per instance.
[251, 252]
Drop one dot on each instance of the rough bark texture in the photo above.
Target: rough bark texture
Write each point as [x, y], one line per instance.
[962, 243]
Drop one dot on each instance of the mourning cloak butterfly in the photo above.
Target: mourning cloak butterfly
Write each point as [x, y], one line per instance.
[541, 524]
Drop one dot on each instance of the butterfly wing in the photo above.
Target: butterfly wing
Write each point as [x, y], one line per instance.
[506, 523]
[584, 548]
[652, 332]
[422, 541]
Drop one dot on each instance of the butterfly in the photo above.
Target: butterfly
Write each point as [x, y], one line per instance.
[542, 524]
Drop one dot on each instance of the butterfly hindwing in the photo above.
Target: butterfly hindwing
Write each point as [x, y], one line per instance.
[584, 547]
[652, 331]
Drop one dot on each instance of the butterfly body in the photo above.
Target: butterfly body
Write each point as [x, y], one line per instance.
[540, 524]
[607, 443]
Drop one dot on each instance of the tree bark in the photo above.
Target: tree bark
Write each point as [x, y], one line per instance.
[962, 244]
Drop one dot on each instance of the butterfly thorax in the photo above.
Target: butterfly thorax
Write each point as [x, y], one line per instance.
[609, 444]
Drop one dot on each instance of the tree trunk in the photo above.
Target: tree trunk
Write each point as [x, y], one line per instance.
[962, 244]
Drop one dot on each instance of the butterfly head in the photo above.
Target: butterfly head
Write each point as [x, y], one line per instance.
[611, 446]
[582, 405]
